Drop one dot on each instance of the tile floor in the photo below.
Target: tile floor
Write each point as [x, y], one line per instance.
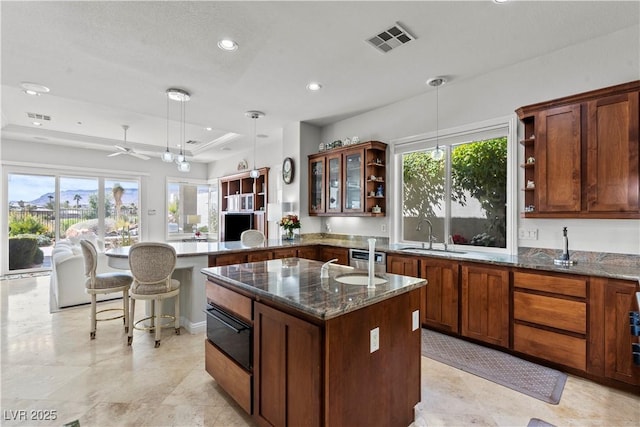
[49, 364]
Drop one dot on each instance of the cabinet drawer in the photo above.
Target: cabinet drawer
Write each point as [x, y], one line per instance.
[558, 348]
[229, 300]
[570, 286]
[553, 312]
[231, 377]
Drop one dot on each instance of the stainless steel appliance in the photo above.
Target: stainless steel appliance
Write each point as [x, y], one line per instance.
[231, 335]
[359, 259]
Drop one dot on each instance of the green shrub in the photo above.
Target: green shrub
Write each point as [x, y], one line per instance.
[43, 239]
[28, 224]
[24, 253]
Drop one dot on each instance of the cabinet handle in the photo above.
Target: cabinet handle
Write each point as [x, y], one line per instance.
[227, 324]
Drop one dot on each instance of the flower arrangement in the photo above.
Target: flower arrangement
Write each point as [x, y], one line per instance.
[290, 223]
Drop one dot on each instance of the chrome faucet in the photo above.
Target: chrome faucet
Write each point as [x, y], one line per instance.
[419, 228]
[324, 270]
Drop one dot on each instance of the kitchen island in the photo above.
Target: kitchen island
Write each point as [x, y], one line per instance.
[322, 352]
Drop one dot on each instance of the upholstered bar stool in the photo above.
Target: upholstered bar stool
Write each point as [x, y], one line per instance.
[151, 265]
[104, 283]
[252, 238]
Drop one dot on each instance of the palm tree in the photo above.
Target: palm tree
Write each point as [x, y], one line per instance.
[77, 198]
[117, 191]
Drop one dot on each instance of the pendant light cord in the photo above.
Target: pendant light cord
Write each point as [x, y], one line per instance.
[254, 142]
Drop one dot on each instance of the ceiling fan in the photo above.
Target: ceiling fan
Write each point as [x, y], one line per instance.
[126, 150]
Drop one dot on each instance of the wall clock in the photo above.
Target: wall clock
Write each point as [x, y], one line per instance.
[287, 170]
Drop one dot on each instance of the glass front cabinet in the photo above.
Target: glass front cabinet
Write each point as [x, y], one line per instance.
[348, 181]
[316, 186]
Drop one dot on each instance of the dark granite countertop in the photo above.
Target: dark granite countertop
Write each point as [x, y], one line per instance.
[594, 265]
[296, 282]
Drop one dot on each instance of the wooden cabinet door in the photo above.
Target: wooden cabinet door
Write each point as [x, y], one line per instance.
[440, 309]
[403, 265]
[353, 181]
[316, 185]
[286, 369]
[334, 183]
[485, 304]
[308, 252]
[285, 253]
[228, 259]
[558, 159]
[612, 154]
[256, 256]
[329, 253]
[618, 363]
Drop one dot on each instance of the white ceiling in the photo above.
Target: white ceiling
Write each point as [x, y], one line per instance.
[110, 63]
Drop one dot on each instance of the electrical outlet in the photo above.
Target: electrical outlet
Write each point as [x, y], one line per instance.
[415, 320]
[528, 234]
[374, 340]
[383, 227]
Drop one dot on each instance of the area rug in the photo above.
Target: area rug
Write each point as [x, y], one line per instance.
[537, 381]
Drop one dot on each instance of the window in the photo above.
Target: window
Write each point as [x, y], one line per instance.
[52, 207]
[192, 210]
[464, 197]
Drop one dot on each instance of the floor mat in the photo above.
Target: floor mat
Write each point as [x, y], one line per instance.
[537, 381]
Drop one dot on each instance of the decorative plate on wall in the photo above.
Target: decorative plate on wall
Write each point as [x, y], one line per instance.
[287, 170]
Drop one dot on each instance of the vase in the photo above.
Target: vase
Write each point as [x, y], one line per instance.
[288, 235]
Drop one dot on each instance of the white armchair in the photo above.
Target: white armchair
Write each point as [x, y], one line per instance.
[67, 275]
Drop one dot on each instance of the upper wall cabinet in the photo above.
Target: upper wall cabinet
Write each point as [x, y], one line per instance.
[349, 181]
[581, 155]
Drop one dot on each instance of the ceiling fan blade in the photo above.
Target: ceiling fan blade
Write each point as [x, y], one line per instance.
[138, 155]
[117, 153]
[121, 148]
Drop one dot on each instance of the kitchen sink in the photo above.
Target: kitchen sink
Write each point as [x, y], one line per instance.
[419, 250]
[360, 279]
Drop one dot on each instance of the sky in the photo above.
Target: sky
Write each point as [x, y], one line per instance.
[30, 187]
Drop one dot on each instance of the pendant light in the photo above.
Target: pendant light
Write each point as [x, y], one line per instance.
[167, 156]
[436, 82]
[255, 115]
[180, 96]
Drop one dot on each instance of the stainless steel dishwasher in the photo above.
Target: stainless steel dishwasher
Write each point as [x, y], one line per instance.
[359, 259]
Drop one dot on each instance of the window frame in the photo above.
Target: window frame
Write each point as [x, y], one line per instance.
[184, 235]
[446, 138]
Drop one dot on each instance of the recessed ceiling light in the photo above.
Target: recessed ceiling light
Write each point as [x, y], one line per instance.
[228, 45]
[314, 86]
[500, 1]
[36, 123]
[33, 89]
[208, 129]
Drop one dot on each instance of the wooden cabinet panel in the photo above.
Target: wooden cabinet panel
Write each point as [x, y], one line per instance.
[287, 370]
[567, 285]
[329, 253]
[558, 159]
[553, 312]
[255, 256]
[235, 380]
[285, 253]
[563, 349]
[440, 302]
[229, 300]
[308, 252]
[229, 259]
[406, 266]
[612, 154]
[485, 304]
[619, 296]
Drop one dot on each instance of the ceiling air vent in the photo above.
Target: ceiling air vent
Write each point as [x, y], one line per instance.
[390, 38]
[37, 116]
